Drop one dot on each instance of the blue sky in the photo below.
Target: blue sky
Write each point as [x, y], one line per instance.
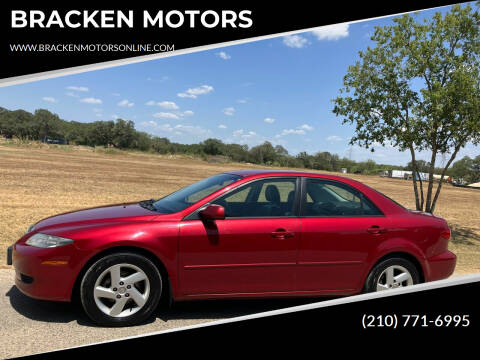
[279, 90]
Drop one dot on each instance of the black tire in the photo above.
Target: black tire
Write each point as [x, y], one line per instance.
[99, 267]
[378, 269]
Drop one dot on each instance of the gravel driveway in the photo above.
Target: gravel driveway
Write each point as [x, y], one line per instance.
[31, 326]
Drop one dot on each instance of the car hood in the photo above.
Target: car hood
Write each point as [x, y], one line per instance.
[112, 213]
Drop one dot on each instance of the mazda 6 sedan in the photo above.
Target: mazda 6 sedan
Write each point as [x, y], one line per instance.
[240, 234]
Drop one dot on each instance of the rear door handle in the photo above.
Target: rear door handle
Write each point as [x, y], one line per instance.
[282, 234]
[375, 229]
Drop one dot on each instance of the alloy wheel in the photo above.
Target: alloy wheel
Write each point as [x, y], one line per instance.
[121, 290]
[393, 277]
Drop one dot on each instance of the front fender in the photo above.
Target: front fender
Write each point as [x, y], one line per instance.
[157, 238]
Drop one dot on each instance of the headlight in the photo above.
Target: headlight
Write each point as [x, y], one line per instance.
[47, 241]
[30, 229]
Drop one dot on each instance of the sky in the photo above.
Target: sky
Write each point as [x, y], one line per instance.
[278, 90]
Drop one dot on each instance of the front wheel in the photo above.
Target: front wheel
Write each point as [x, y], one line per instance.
[391, 274]
[121, 289]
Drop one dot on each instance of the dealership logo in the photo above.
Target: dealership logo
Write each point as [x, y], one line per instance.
[118, 19]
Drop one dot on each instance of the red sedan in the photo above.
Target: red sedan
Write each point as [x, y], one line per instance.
[240, 234]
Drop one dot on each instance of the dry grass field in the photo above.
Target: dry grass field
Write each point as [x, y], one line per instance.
[37, 181]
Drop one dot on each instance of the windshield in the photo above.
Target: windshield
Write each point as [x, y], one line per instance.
[191, 194]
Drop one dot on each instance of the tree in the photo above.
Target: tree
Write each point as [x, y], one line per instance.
[22, 124]
[421, 166]
[418, 89]
[46, 124]
[101, 133]
[123, 134]
[143, 141]
[161, 145]
[237, 152]
[305, 160]
[213, 147]
[263, 154]
[467, 169]
[280, 150]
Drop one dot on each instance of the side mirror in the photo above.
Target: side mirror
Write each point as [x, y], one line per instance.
[213, 212]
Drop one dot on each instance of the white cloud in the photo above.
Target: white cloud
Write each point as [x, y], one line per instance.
[331, 32]
[72, 94]
[244, 134]
[295, 41]
[177, 130]
[221, 126]
[115, 116]
[185, 95]
[250, 138]
[192, 130]
[115, 94]
[292, 131]
[125, 103]
[194, 92]
[78, 88]
[49, 99]
[306, 127]
[162, 128]
[332, 138]
[300, 130]
[223, 55]
[230, 111]
[269, 120]
[91, 100]
[168, 105]
[166, 115]
[242, 101]
[204, 89]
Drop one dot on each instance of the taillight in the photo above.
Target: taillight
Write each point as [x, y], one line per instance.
[446, 234]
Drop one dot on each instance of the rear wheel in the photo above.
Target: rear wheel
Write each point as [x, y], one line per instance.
[391, 274]
[121, 289]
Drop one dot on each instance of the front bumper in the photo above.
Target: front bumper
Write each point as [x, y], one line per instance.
[36, 277]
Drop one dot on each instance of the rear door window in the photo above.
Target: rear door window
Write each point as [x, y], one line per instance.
[325, 198]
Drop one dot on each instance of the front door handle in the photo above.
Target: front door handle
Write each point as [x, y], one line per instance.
[375, 229]
[282, 234]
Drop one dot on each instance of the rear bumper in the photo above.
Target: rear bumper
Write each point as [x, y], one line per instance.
[441, 266]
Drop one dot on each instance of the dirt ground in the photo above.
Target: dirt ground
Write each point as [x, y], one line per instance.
[37, 181]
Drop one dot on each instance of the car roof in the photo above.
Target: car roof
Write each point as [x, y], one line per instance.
[269, 172]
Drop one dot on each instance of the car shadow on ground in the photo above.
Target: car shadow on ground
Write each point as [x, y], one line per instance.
[64, 312]
[221, 309]
[47, 311]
